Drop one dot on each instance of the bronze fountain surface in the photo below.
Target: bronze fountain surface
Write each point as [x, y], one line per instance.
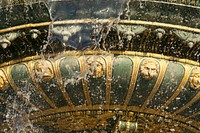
[100, 66]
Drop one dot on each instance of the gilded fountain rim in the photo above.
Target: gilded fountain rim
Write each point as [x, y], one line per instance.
[97, 21]
[100, 52]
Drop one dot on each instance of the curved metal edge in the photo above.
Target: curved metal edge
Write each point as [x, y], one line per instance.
[98, 52]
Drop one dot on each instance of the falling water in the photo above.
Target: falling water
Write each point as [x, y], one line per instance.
[82, 35]
[76, 35]
[79, 25]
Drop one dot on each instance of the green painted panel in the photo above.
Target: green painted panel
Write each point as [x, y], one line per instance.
[173, 77]
[97, 89]
[121, 76]
[142, 90]
[97, 86]
[186, 95]
[70, 71]
[192, 109]
[22, 79]
[53, 91]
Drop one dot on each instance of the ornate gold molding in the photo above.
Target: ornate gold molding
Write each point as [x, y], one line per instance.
[163, 66]
[180, 87]
[149, 69]
[95, 21]
[135, 70]
[7, 71]
[3, 81]
[95, 66]
[30, 67]
[60, 81]
[89, 52]
[43, 70]
[195, 78]
[106, 63]
[83, 74]
[109, 64]
[180, 120]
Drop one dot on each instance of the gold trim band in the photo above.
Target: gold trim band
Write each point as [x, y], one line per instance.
[171, 116]
[109, 64]
[38, 87]
[75, 53]
[86, 21]
[60, 82]
[180, 87]
[84, 82]
[163, 66]
[135, 70]
[189, 103]
[13, 85]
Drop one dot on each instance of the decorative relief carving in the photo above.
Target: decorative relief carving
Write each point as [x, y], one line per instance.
[43, 70]
[154, 124]
[149, 69]
[5, 40]
[82, 122]
[127, 126]
[3, 81]
[190, 38]
[78, 122]
[34, 33]
[160, 32]
[95, 66]
[195, 78]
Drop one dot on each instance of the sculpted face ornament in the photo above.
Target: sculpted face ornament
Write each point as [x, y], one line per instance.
[3, 82]
[44, 70]
[195, 79]
[96, 66]
[149, 69]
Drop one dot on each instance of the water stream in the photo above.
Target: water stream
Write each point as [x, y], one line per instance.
[76, 36]
[80, 25]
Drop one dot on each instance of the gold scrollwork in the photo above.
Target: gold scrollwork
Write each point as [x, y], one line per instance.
[95, 66]
[195, 79]
[43, 70]
[77, 122]
[149, 69]
[3, 81]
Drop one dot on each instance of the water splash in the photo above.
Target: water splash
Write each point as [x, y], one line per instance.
[83, 35]
[17, 116]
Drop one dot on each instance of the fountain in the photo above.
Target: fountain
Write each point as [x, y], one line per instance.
[100, 66]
